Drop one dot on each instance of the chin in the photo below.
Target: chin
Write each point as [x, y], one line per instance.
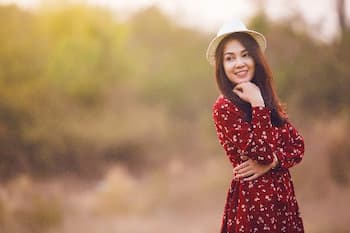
[241, 81]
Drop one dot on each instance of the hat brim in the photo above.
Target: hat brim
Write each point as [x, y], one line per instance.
[210, 54]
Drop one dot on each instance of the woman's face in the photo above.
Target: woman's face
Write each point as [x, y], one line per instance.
[239, 66]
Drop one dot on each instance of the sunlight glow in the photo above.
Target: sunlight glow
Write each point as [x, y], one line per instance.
[207, 15]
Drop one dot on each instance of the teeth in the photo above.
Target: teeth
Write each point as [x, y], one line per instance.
[241, 72]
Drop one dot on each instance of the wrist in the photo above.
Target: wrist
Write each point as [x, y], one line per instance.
[257, 104]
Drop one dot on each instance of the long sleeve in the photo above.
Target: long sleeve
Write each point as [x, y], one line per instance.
[290, 150]
[255, 140]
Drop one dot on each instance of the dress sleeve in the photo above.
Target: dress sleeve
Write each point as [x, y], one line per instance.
[255, 140]
[291, 149]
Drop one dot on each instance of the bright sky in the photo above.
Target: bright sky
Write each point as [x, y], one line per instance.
[210, 14]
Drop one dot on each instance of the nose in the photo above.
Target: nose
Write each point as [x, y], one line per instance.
[239, 63]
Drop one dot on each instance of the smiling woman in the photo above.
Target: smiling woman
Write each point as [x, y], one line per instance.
[256, 135]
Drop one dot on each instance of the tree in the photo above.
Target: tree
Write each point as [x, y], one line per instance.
[341, 13]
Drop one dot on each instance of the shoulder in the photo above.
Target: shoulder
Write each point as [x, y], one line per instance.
[224, 105]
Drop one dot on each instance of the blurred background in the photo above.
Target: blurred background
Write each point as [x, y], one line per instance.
[105, 112]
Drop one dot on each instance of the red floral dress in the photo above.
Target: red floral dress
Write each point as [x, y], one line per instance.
[267, 203]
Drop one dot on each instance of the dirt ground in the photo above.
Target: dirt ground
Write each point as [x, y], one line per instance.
[174, 199]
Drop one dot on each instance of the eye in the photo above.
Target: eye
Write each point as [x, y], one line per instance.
[228, 58]
[245, 54]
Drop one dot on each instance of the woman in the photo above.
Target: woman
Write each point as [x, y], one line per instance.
[256, 135]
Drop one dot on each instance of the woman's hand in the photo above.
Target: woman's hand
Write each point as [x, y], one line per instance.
[251, 169]
[250, 93]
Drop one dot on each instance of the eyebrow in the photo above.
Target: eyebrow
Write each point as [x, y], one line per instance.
[229, 53]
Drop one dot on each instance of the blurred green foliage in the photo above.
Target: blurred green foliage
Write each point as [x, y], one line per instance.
[306, 70]
[79, 88]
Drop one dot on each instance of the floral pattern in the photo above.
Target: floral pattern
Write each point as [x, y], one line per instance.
[267, 203]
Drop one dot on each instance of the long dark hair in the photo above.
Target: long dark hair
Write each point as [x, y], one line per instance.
[262, 78]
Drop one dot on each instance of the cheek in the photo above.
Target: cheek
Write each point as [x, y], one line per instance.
[227, 67]
[251, 65]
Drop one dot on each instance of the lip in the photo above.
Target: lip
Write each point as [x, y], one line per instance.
[241, 73]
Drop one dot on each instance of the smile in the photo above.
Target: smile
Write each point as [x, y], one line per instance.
[241, 73]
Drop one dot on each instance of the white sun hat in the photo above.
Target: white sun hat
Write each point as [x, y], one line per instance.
[232, 26]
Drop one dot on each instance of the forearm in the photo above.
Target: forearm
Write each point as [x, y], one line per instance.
[263, 140]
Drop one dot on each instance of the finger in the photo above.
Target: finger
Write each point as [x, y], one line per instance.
[251, 177]
[243, 170]
[238, 88]
[245, 164]
[237, 92]
[243, 84]
[242, 165]
[244, 157]
[245, 174]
